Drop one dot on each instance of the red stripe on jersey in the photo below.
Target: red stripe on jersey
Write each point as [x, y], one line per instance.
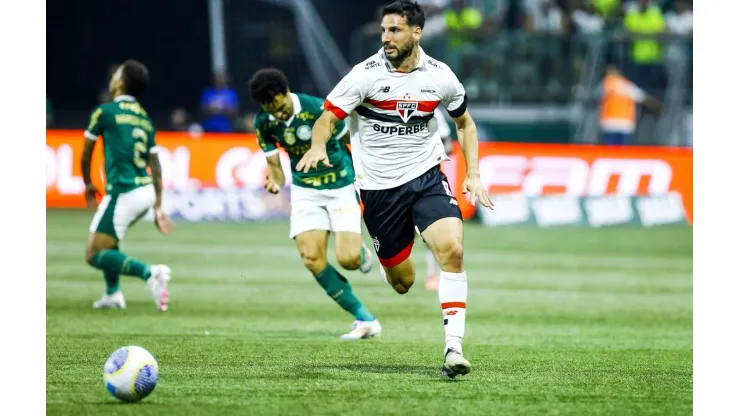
[448, 305]
[335, 110]
[398, 258]
[427, 106]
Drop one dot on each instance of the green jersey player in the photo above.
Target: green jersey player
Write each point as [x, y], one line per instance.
[129, 149]
[322, 201]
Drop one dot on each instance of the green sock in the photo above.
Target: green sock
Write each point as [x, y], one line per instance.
[339, 289]
[116, 262]
[111, 282]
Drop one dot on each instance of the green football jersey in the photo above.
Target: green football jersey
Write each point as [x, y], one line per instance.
[128, 139]
[294, 136]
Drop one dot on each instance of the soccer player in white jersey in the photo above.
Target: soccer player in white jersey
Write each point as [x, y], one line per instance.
[396, 150]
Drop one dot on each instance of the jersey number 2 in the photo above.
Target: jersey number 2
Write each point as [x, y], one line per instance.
[140, 139]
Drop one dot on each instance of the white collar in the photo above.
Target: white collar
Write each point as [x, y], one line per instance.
[124, 98]
[420, 64]
[296, 110]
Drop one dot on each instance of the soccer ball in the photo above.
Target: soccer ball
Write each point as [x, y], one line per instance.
[131, 373]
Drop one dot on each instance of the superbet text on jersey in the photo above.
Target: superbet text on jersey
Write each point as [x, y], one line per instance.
[394, 133]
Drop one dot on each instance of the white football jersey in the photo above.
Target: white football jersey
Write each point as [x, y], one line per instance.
[394, 135]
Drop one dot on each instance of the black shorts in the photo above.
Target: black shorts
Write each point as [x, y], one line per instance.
[391, 214]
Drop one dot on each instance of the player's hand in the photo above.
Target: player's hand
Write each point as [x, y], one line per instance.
[271, 186]
[91, 196]
[163, 223]
[474, 186]
[312, 158]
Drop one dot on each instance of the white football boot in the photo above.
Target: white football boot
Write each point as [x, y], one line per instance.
[114, 301]
[455, 364]
[362, 330]
[367, 265]
[158, 285]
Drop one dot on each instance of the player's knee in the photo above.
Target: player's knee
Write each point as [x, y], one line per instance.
[349, 260]
[402, 288]
[90, 255]
[402, 283]
[451, 256]
[313, 261]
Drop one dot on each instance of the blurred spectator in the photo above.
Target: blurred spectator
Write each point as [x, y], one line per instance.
[605, 8]
[586, 20]
[435, 20]
[619, 100]
[220, 105]
[461, 23]
[49, 113]
[482, 80]
[179, 122]
[544, 16]
[681, 20]
[644, 21]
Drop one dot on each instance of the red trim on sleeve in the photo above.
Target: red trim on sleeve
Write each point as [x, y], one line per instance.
[335, 110]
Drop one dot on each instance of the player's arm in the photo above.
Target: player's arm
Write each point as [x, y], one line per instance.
[456, 102]
[163, 223]
[94, 129]
[468, 137]
[275, 179]
[156, 171]
[275, 175]
[345, 97]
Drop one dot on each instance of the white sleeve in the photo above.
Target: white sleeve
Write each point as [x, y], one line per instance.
[442, 127]
[631, 90]
[453, 95]
[348, 94]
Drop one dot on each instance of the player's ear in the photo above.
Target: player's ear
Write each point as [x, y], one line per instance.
[417, 33]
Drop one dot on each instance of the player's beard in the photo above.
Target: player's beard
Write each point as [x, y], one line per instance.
[402, 54]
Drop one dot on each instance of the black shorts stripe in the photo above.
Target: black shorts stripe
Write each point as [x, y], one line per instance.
[374, 115]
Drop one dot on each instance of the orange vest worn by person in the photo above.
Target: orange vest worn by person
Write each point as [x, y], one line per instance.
[618, 105]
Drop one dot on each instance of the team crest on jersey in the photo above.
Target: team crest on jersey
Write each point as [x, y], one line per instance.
[289, 137]
[304, 133]
[406, 109]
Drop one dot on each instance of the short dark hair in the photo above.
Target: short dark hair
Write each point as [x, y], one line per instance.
[266, 84]
[135, 78]
[411, 10]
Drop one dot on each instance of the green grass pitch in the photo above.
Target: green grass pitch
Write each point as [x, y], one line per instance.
[560, 321]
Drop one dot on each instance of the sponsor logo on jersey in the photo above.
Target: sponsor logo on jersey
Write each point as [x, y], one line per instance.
[386, 89]
[304, 133]
[429, 89]
[400, 130]
[372, 64]
[406, 109]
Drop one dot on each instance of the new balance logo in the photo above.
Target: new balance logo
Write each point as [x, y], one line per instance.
[385, 89]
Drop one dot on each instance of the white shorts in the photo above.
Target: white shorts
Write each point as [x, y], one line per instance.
[334, 210]
[116, 213]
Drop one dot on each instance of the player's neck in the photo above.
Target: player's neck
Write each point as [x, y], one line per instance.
[408, 64]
